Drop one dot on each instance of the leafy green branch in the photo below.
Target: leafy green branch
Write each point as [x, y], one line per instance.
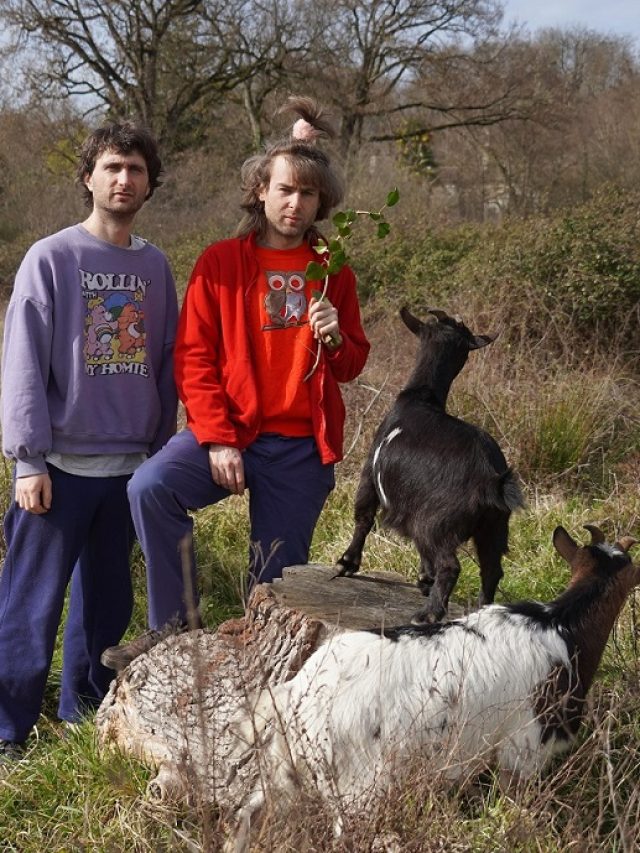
[334, 252]
[334, 255]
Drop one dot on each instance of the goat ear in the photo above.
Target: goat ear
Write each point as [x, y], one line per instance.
[412, 323]
[479, 341]
[564, 544]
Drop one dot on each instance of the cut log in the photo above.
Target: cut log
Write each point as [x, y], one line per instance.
[171, 706]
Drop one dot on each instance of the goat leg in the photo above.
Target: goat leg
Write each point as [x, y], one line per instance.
[425, 576]
[446, 575]
[365, 509]
[491, 540]
[351, 560]
[239, 833]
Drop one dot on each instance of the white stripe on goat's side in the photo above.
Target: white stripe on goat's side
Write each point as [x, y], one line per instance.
[377, 473]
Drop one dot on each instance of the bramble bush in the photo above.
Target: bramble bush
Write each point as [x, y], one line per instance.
[577, 270]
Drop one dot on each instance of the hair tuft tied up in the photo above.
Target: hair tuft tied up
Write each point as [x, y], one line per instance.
[309, 163]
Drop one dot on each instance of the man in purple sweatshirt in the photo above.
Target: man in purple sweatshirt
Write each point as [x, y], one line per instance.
[87, 395]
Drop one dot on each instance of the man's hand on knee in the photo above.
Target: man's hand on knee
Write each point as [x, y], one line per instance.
[34, 493]
[227, 467]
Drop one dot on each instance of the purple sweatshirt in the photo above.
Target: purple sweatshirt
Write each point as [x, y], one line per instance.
[88, 339]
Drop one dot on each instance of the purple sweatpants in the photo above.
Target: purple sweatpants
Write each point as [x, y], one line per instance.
[288, 486]
[86, 532]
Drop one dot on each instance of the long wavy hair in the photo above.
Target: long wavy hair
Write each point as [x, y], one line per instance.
[310, 165]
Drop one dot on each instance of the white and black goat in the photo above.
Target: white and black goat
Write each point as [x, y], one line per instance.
[438, 479]
[503, 687]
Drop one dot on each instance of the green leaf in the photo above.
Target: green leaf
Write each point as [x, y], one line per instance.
[393, 197]
[317, 294]
[333, 252]
[336, 263]
[315, 271]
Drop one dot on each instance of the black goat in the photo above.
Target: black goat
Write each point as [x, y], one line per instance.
[438, 479]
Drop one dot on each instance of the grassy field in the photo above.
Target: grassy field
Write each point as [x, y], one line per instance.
[68, 796]
[559, 391]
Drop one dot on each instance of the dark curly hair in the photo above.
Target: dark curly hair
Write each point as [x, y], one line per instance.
[310, 165]
[124, 138]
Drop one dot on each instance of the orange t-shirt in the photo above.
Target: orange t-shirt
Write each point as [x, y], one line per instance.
[282, 341]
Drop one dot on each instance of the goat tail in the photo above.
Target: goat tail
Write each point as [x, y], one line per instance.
[510, 491]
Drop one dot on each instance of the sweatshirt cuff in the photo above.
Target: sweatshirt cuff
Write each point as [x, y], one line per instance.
[30, 466]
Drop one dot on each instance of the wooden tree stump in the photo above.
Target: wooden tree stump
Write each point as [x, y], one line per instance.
[172, 705]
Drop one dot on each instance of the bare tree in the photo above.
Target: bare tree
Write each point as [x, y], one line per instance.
[278, 42]
[169, 61]
[582, 94]
[534, 123]
[162, 61]
[371, 53]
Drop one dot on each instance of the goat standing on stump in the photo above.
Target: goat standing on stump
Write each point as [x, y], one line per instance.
[438, 479]
[504, 687]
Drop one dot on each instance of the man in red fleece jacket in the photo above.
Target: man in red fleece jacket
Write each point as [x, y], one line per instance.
[248, 335]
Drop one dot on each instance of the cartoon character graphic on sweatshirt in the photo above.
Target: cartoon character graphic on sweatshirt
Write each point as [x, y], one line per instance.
[131, 330]
[115, 338]
[285, 302]
[100, 329]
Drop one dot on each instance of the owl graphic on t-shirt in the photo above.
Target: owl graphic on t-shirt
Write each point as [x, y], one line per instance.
[285, 302]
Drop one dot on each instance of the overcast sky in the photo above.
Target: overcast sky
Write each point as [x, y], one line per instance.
[617, 17]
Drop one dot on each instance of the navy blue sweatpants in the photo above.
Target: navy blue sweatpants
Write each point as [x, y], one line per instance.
[288, 486]
[87, 532]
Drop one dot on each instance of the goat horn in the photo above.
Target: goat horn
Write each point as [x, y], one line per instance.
[626, 542]
[597, 536]
[441, 315]
[479, 341]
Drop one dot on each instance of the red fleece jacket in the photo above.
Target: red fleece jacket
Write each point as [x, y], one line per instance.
[214, 364]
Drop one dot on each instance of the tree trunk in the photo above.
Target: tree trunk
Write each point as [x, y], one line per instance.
[172, 705]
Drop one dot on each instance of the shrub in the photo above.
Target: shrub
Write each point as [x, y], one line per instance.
[562, 429]
[184, 252]
[12, 252]
[574, 272]
[412, 267]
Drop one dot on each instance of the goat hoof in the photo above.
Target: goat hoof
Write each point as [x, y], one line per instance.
[346, 569]
[425, 617]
